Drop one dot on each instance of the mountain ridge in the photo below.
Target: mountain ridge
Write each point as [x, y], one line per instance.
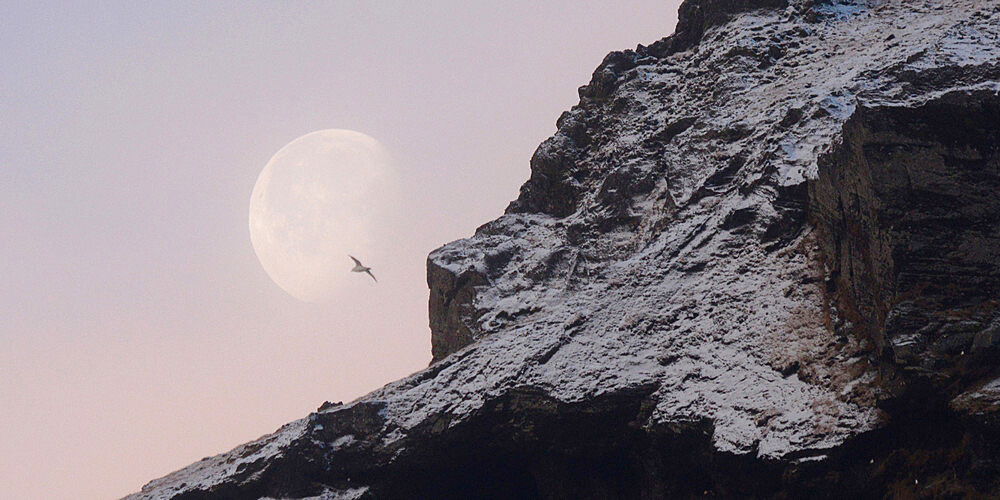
[759, 258]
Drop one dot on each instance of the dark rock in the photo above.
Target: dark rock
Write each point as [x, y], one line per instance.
[757, 260]
[552, 187]
[329, 406]
[695, 17]
[452, 311]
[908, 208]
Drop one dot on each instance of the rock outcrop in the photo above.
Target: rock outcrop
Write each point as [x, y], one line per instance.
[760, 258]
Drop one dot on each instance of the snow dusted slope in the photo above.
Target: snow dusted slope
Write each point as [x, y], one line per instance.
[713, 282]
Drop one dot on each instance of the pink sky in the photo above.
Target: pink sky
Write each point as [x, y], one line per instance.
[139, 333]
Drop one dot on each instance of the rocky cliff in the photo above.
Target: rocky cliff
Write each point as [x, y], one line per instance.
[760, 258]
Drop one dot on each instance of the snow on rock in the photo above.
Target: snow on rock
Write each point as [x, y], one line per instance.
[211, 472]
[659, 288]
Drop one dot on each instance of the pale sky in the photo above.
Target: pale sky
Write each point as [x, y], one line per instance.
[138, 331]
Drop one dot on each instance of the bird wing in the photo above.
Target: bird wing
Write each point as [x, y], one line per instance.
[369, 271]
[356, 261]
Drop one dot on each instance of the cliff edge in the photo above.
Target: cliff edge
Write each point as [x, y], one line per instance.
[760, 258]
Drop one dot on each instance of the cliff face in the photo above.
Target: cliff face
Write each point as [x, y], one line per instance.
[759, 258]
[909, 212]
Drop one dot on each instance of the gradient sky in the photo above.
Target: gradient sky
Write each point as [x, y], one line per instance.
[138, 332]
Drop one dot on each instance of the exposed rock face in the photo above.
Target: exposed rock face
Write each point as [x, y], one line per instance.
[452, 297]
[759, 258]
[909, 205]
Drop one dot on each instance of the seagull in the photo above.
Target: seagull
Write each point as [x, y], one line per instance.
[361, 268]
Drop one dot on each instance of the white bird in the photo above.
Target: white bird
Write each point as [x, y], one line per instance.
[361, 268]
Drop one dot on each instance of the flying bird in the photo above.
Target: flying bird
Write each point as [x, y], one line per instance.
[361, 268]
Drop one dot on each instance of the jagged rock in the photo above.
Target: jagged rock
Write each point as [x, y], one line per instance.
[759, 259]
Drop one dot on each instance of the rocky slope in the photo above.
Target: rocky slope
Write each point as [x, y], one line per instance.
[760, 258]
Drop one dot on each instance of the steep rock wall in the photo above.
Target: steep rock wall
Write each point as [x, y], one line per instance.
[675, 306]
[909, 210]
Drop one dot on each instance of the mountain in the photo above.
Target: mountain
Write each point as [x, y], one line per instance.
[760, 258]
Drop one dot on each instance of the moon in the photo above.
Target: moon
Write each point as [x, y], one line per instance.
[314, 202]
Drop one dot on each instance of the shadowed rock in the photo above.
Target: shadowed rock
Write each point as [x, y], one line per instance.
[758, 259]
